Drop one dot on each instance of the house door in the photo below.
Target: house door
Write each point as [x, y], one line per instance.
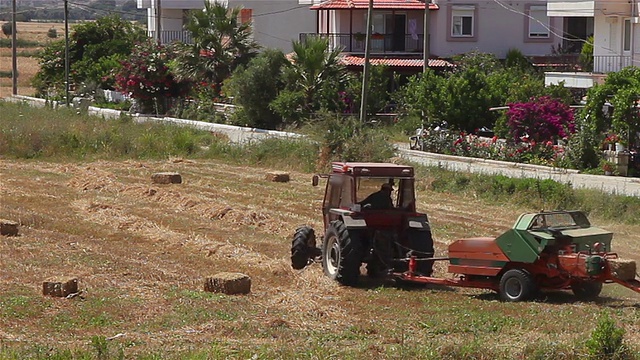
[397, 23]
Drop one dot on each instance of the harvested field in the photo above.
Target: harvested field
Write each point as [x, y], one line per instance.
[142, 251]
[27, 65]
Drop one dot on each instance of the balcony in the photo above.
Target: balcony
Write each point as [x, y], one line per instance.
[603, 64]
[380, 43]
[169, 36]
[581, 77]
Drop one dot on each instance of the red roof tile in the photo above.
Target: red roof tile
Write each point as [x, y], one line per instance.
[377, 4]
[397, 62]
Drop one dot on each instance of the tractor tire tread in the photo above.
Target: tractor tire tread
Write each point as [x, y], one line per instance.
[302, 247]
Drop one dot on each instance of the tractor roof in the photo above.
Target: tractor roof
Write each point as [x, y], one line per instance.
[371, 169]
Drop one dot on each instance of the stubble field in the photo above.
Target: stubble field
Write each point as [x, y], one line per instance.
[142, 251]
[27, 64]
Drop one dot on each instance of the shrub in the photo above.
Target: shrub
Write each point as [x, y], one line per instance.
[146, 77]
[256, 86]
[606, 341]
[52, 33]
[540, 120]
[90, 44]
[7, 29]
[515, 59]
[347, 139]
[586, 55]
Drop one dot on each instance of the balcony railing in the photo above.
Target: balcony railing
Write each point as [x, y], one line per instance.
[169, 36]
[380, 43]
[603, 64]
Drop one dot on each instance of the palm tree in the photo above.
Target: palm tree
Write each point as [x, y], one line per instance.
[314, 65]
[220, 43]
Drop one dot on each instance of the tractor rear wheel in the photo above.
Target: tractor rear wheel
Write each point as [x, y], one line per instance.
[586, 290]
[303, 247]
[341, 254]
[517, 285]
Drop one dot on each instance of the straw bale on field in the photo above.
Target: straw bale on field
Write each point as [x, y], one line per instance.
[228, 283]
[278, 176]
[8, 227]
[623, 269]
[166, 178]
[58, 288]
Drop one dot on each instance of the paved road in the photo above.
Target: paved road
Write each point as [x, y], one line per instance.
[611, 184]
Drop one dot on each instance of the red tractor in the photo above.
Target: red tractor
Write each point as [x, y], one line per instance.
[370, 218]
[369, 213]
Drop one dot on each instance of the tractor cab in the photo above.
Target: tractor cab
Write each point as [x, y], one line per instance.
[380, 194]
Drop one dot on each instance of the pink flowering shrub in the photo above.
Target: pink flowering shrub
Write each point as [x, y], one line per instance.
[540, 120]
[146, 77]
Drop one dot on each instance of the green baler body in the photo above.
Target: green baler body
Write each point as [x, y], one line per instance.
[528, 238]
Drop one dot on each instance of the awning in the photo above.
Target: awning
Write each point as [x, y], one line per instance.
[394, 62]
[377, 4]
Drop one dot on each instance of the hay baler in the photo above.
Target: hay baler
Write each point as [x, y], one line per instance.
[543, 251]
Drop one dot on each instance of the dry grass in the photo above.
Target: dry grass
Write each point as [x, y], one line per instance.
[142, 252]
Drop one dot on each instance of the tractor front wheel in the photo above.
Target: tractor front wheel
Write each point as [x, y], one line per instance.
[341, 254]
[303, 247]
[517, 285]
[586, 290]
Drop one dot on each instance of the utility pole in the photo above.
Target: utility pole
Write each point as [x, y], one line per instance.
[158, 20]
[425, 44]
[14, 55]
[66, 50]
[365, 70]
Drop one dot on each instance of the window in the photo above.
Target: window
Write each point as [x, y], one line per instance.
[626, 36]
[538, 22]
[462, 21]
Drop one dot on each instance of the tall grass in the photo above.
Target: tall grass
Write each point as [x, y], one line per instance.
[20, 43]
[28, 133]
[63, 134]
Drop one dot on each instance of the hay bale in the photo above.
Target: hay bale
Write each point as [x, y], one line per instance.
[623, 269]
[166, 178]
[57, 288]
[278, 176]
[228, 283]
[8, 227]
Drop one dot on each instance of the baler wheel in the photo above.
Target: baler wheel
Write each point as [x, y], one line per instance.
[517, 285]
[586, 290]
[303, 247]
[341, 254]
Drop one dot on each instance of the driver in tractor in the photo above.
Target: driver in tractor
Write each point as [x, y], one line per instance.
[379, 200]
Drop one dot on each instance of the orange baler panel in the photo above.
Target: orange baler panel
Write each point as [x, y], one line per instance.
[473, 269]
[482, 248]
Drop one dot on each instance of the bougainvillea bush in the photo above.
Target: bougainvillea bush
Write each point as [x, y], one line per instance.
[540, 120]
[146, 77]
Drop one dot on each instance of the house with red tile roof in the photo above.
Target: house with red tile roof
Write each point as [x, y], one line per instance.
[455, 27]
